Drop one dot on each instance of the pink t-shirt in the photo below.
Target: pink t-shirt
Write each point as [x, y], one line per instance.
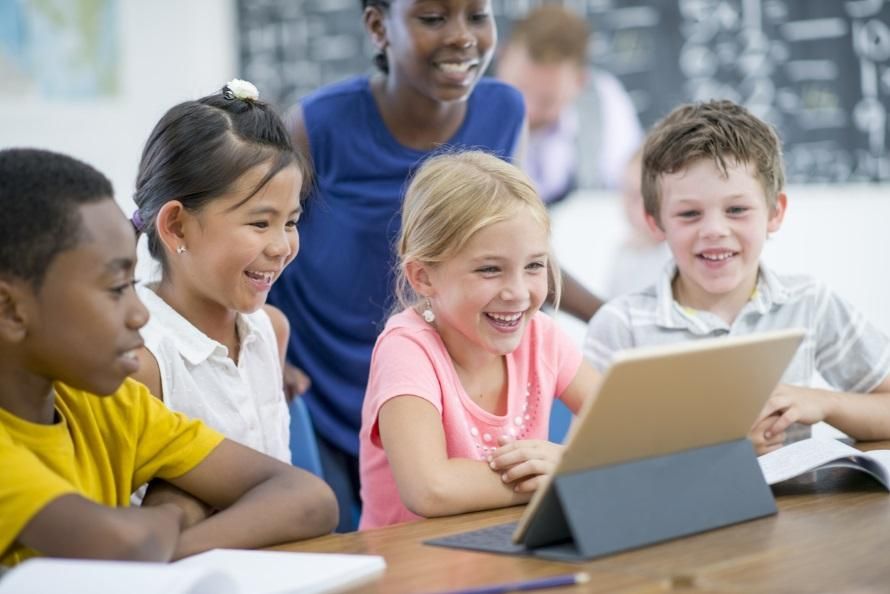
[410, 358]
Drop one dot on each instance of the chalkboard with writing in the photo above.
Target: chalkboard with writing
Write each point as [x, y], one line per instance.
[819, 70]
[289, 48]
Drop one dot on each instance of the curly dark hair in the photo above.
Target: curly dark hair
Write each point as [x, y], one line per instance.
[40, 196]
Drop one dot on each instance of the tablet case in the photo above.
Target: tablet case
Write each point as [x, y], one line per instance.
[585, 512]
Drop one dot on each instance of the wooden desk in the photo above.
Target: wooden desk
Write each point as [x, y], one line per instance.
[415, 567]
[832, 534]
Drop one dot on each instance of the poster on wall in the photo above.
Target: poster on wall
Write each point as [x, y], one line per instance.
[59, 49]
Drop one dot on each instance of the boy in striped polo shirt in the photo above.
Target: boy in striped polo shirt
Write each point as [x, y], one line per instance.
[712, 186]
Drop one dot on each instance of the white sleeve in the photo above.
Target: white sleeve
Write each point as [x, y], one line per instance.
[621, 132]
[608, 332]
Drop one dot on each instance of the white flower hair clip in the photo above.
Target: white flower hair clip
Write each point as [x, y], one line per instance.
[240, 89]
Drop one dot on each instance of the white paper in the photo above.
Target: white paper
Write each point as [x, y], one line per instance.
[214, 572]
[79, 576]
[278, 572]
[808, 454]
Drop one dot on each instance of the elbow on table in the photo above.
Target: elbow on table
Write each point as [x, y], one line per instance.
[430, 498]
[318, 512]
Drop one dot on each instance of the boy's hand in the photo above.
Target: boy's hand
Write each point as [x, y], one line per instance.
[762, 444]
[787, 405]
[161, 492]
[523, 463]
[73, 526]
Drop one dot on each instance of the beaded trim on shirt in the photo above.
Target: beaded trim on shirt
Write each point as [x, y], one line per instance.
[517, 426]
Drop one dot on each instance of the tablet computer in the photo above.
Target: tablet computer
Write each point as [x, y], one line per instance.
[654, 402]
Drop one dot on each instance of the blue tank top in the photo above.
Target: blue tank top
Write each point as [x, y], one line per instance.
[339, 289]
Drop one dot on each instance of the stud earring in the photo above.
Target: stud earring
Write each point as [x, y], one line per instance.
[428, 314]
[180, 249]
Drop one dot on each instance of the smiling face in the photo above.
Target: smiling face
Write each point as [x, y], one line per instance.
[485, 295]
[716, 227]
[84, 320]
[236, 249]
[439, 48]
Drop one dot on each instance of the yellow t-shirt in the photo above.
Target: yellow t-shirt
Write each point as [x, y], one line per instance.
[102, 447]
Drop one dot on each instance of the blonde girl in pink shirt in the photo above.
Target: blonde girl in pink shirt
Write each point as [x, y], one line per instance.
[463, 377]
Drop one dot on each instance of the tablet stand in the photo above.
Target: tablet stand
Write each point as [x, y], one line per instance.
[623, 506]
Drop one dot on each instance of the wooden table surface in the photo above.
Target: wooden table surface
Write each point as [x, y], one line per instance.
[832, 534]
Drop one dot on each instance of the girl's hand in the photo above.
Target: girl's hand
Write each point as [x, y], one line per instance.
[524, 463]
[295, 381]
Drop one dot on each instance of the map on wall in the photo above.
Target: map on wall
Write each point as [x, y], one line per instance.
[59, 49]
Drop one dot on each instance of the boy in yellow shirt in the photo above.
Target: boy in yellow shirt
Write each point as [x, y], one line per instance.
[76, 436]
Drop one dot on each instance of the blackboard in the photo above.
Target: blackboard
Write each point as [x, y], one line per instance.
[819, 70]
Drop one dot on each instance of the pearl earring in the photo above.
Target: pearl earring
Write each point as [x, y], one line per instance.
[428, 314]
[180, 249]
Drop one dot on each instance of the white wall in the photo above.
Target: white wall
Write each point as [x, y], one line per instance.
[170, 51]
[838, 234]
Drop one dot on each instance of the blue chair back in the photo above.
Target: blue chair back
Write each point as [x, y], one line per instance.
[303, 447]
[560, 419]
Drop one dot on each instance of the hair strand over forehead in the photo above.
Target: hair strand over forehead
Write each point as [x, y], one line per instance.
[722, 131]
[453, 196]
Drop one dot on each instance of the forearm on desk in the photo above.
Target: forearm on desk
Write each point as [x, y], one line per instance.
[861, 416]
[261, 501]
[456, 486]
[73, 526]
[263, 518]
[429, 482]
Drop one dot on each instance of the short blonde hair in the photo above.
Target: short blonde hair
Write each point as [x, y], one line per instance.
[717, 130]
[451, 197]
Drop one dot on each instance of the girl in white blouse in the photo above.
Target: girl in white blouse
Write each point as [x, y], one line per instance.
[218, 196]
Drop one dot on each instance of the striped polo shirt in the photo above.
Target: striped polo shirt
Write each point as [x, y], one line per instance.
[849, 353]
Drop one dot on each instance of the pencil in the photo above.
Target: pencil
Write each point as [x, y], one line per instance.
[555, 581]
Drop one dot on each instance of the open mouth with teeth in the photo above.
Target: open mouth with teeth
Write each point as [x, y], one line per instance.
[717, 257]
[457, 67]
[504, 320]
[261, 278]
[458, 72]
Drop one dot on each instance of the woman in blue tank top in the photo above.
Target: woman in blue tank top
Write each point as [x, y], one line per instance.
[366, 136]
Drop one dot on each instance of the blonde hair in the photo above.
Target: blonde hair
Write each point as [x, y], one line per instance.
[453, 196]
[719, 130]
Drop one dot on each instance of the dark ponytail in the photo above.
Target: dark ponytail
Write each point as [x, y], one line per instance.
[200, 148]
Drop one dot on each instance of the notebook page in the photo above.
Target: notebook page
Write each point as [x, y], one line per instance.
[877, 462]
[802, 456]
[278, 572]
[80, 576]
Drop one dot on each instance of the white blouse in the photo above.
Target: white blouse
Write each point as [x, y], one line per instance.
[244, 402]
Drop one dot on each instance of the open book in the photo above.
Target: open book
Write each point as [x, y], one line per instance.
[219, 571]
[811, 454]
